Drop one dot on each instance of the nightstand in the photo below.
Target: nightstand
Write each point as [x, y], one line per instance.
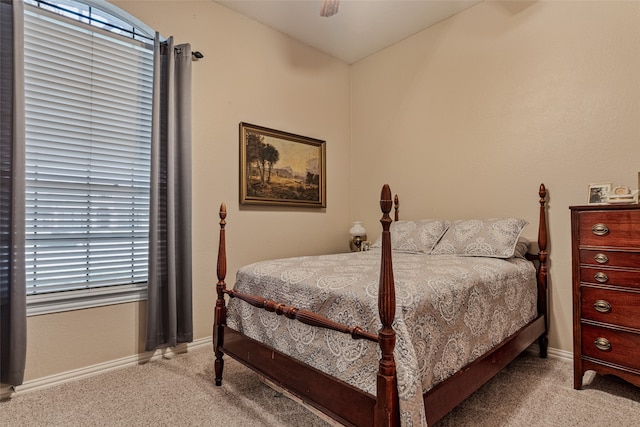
[606, 291]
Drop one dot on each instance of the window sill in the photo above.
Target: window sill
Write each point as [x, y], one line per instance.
[85, 298]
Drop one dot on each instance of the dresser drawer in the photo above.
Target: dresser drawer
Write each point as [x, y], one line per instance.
[609, 306]
[610, 276]
[612, 346]
[610, 258]
[610, 228]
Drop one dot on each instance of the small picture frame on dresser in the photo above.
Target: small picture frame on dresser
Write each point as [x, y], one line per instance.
[597, 193]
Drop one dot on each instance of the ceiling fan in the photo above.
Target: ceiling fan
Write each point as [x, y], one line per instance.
[329, 7]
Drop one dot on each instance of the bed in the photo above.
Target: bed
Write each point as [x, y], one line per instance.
[307, 324]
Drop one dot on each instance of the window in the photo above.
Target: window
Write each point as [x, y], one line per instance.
[88, 95]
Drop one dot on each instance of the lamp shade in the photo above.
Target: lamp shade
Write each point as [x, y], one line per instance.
[357, 229]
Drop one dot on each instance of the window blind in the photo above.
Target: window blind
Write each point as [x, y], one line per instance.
[88, 101]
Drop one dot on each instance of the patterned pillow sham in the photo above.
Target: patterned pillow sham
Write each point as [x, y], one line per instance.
[415, 236]
[493, 237]
[522, 247]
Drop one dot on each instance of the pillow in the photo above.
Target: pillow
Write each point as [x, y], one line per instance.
[522, 247]
[415, 236]
[493, 237]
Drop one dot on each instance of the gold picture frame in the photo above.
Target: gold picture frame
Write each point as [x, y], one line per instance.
[281, 169]
[596, 194]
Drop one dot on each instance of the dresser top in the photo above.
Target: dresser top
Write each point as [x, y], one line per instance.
[605, 207]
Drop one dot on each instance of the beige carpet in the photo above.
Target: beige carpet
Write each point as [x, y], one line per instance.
[180, 392]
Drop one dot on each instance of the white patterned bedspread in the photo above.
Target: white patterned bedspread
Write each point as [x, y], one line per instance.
[450, 310]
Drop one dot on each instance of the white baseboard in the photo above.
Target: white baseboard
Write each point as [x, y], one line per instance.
[101, 368]
[554, 353]
[165, 353]
[561, 354]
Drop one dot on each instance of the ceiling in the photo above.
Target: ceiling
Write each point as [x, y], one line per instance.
[359, 29]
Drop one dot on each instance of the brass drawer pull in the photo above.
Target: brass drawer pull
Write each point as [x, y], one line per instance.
[600, 229]
[602, 306]
[601, 277]
[602, 344]
[601, 258]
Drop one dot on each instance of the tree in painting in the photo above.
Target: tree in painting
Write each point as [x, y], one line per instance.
[261, 156]
[271, 156]
[254, 148]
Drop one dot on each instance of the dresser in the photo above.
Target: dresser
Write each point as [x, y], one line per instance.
[606, 291]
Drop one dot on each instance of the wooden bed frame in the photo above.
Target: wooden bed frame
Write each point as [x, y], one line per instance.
[341, 401]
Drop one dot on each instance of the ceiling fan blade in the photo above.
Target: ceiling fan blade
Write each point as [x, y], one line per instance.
[329, 7]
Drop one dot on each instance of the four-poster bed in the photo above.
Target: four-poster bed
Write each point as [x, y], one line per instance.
[352, 398]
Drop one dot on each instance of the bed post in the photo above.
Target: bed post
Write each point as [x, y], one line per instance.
[220, 317]
[396, 207]
[386, 411]
[542, 271]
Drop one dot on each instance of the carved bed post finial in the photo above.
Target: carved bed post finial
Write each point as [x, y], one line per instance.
[387, 407]
[542, 230]
[396, 204]
[220, 317]
[222, 247]
[542, 271]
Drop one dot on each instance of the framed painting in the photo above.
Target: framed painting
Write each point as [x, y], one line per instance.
[281, 168]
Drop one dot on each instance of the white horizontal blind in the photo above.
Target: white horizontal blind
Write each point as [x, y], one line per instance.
[88, 132]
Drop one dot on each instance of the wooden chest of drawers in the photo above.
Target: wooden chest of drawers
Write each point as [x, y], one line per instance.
[606, 291]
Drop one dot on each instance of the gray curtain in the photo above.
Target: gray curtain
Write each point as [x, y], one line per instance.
[13, 300]
[169, 304]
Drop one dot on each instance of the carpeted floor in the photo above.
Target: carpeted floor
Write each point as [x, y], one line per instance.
[180, 392]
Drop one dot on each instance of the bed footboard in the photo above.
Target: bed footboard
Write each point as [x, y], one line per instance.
[302, 316]
[386, 410]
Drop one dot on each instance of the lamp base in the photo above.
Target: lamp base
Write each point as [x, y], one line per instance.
[357, 242]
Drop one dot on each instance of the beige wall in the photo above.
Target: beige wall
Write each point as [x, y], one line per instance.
[464, 119]
[467, 118]
[253, 74]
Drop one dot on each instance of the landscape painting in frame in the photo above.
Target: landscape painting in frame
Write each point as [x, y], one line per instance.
[281, 168]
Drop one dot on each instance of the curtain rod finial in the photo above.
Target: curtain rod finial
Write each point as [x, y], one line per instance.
[197, 55]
